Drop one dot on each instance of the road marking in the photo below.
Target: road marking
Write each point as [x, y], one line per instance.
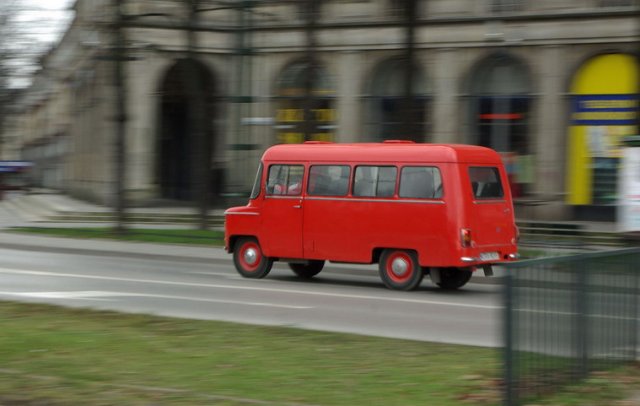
[254, 288]
[98, 295]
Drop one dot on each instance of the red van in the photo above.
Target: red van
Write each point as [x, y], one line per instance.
[415, 209]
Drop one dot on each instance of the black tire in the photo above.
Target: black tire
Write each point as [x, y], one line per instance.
[399, 269]
[307, 270]
[249, 260]
[454, 278]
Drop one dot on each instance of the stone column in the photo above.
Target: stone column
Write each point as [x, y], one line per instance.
[548, 133]
[443, 75]
[349, 72]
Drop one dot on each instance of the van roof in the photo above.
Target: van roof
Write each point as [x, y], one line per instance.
[383, 152]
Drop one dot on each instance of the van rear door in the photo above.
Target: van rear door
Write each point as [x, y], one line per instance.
[491, 217]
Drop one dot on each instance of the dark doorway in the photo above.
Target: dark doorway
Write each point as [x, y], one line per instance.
[187, 107]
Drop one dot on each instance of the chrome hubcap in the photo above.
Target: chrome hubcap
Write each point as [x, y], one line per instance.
[251, 256]
[399, 266]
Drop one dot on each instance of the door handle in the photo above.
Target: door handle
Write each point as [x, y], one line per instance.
[298, 206]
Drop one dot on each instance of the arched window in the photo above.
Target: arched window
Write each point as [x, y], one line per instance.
[499, 107]
[389, 113]
[292, 97]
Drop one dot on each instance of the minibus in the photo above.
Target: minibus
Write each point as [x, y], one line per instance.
[415, 209]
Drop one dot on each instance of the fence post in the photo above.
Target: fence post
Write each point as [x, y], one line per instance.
[635, 303]
[509, 391]
[582, 327]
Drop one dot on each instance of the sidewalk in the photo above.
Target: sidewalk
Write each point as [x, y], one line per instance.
[190, 253]
[50, 208]
[39, 210]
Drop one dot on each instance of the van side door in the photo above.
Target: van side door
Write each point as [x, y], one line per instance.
[281, 234]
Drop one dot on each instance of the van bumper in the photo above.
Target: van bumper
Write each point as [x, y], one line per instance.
[510, 257]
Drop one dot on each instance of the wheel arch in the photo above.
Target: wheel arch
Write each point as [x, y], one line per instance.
[234, 238]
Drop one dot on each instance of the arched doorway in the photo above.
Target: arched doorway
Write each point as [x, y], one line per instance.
[291, 99]
[387, 113]
[500, 103]
[187, 95]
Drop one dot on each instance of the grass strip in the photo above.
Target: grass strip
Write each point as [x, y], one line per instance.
[58, 356]
[71, 356]
[166, 236]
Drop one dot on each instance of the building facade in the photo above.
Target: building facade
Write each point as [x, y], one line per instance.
[550, 84]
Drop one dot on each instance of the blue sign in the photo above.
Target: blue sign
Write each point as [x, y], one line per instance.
[604, 109]
[14, 166]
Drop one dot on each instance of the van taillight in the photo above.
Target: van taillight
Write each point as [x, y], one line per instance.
[517, 239]
[465, 237]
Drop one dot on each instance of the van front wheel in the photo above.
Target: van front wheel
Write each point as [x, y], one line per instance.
[307, 270]
[454, 278]
[399, 269]
[249, 260]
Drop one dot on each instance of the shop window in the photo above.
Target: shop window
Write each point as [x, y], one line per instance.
[390, 113]
[292, 97]
[500, 104]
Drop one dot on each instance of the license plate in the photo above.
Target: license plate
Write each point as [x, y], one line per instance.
[489, 256]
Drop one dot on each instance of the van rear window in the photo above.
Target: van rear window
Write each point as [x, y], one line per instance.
[485, 182]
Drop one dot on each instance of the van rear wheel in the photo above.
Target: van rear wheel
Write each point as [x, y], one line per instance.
[307, 270]
[399, 269]
[454, 278]
[249, 260]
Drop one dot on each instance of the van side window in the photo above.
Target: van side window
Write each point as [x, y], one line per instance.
[375, 181]
[285, 180]
[329, 180]
[420, 182]
[485, 182]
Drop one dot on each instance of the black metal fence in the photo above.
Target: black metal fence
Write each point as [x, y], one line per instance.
[566, 317]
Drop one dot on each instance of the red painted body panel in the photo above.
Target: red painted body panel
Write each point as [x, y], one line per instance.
[351, 229]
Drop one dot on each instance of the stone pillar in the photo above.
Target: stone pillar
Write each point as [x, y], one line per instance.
[443, 73]
[348, 105]
[548, 133]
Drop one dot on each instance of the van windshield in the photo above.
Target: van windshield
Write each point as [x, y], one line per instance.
[485, 182]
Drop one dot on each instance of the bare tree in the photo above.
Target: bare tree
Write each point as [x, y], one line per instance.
[23, 43]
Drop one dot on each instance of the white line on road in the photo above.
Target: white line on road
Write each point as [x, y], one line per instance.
[98, 295]
[254, 288]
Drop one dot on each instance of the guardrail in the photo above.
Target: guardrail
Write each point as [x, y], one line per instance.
[566, 317]
[567, 234]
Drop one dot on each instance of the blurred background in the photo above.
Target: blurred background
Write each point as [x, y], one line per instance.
[151, 102]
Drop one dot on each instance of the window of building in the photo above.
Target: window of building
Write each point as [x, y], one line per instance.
[285, 180]
[506, 6]
[500, 103]
[390, 113]
[615, 3]
[420, 182]
[291, 99]
[375, 181]
[329, 180]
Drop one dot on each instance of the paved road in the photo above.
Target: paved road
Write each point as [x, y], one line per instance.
[175, 281]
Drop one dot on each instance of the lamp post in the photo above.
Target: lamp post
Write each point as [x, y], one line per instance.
[409, 106]
[120, 120]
